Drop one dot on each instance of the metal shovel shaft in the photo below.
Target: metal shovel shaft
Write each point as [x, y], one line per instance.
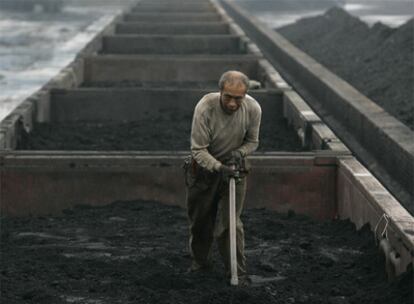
[233, 243]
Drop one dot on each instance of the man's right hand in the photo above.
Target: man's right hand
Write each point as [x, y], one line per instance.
[228, 171]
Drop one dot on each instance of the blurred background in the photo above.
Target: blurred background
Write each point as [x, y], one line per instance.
[37, 41]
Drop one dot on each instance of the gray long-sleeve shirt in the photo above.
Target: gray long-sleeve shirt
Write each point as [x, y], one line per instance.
[214, 134]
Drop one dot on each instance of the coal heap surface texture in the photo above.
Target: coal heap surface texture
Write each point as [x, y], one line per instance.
[377, 60]
[170, 130]
[136, 252]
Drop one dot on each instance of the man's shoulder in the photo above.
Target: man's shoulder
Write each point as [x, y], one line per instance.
[209, 97]
[252, 103]
[208, 101]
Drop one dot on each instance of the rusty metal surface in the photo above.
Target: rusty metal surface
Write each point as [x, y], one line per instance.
[172, 28]
[166, 67]
[363, 200]
[169, 44]
[171, 17]
[47, 183]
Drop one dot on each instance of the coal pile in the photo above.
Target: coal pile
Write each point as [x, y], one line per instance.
[168, 131]
[377, 60]
[136, 252]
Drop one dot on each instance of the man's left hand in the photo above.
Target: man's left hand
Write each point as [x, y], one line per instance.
[237, 158]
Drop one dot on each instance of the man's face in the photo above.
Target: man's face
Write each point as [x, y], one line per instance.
[231, 97]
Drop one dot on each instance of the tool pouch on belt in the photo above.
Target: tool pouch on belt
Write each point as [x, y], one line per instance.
[190, 170]
[194, 172]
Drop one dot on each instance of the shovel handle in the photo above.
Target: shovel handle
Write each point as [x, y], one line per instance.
[232, 222]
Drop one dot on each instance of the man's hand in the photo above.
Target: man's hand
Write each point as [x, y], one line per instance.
[236, 158]
[228, 171]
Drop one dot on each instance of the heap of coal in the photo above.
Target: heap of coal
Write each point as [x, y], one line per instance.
[136, 252]
[377, 60]
[169, 131]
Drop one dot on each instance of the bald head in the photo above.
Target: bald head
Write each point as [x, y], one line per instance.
[234, 79]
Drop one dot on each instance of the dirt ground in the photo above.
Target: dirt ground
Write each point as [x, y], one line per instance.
[136, 252]
[167, 131]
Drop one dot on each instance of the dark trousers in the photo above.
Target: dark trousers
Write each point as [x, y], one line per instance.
[208, 214]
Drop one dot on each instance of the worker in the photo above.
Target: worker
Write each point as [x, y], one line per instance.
[225, 128]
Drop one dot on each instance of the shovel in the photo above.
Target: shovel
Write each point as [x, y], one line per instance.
[233, 243]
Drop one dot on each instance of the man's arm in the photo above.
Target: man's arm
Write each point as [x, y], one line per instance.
[200, 141]
[251, 140]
